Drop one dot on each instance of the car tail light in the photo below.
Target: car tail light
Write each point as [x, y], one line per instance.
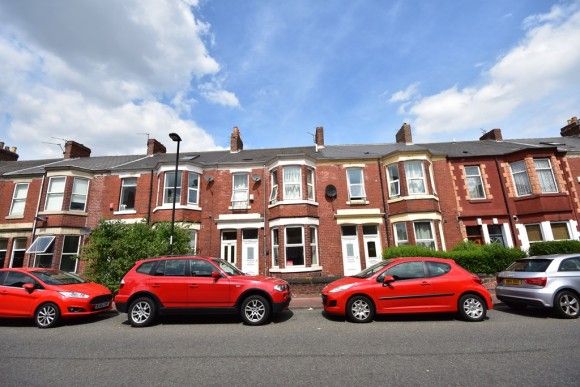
[477, 279]
[122, 283]
[541, 281]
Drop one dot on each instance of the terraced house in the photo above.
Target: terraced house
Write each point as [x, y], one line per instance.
[313, 211]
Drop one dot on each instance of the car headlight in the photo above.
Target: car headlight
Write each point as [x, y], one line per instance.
[341, 288]
[74, 295]
[280, 287]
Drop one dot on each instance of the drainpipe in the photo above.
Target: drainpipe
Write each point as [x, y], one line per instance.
[505, 198]
[150, 198]
[384, 201]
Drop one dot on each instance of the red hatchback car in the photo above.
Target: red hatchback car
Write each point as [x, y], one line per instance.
[49, 295]
[408, 285]
[202, 284]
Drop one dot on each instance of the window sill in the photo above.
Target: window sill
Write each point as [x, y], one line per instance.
[14, 217]
[413, 197]
[73, 212]
[296, 269]
[248, 207]
[291, 202]
[124, 212]
[357, 202]
[483, 200]
[177, 207]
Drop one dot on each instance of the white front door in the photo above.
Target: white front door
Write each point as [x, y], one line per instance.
[372, 244]
[350, 250]
[250, 251]
[229, 246]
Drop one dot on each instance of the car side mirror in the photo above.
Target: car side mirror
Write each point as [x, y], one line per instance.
[28, 287]
[388, 279]
[215, 275]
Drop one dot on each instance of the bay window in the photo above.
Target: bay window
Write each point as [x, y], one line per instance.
[401, 237]
[193, 188]
[55, 193]
[292, 183]
[534, 232]
[314, 246]
[168, 188]
[294, 245]
[521, 178]
[560, 231]
[80, 191]
[275, 247]
[545, 175]
[310, 183]
[424, 235]
[394, 180]
[70, 252]
[274, 190]
[415, 175]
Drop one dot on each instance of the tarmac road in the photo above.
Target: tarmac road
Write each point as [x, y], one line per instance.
[301, 347]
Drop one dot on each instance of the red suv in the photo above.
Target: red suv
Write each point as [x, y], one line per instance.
[180, 284]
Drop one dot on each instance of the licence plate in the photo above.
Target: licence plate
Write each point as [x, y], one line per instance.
[512, 282]
[101, 305]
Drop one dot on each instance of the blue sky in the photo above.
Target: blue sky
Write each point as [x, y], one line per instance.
[103, 72]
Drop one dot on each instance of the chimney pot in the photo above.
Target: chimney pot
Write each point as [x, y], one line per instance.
[494, 134]
[572, 129]
[73, 149]
[236, 143]
[404, 135]
[8, 153]
[154, 147]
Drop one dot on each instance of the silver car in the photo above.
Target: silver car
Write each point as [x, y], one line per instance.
[551, 281]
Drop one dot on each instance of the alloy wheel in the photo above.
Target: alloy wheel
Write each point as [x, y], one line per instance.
[141, 312]
[46, 315]
[473, 308]
[360, 310]
[569, 304]
[255, 311]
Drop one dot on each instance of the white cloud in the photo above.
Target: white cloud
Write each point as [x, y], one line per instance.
[405, 95]
[85, 68]
[542, 67]
[213, 92]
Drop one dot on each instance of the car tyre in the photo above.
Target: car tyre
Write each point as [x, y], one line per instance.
[47, 315]
[567, 304]
[255, 310]
[142, 312]
[472, 308]
[360, 309]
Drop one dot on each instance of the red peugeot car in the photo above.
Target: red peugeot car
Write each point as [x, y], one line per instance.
[201, 284]
[408, 285]
[49, 295]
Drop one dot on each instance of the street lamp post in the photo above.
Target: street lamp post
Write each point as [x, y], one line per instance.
[175, 137]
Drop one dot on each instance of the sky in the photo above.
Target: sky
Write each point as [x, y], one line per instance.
[110, 73]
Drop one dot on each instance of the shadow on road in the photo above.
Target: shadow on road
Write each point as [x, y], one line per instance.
[404, 317]
[527, 312]
[29, 322]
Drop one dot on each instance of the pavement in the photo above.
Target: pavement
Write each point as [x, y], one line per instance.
[314, 300]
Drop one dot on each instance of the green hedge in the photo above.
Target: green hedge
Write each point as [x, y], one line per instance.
[555, 247]
[482, 259]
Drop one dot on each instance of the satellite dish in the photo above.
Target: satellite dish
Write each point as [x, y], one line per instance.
[330, 191]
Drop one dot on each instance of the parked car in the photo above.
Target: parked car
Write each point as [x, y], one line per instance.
[408, 285]
[198, 284]
[549, 281]
[49, 295]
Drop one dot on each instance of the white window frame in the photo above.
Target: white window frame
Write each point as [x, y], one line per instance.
[166, 188]
[3, 249]
[240, 196]
[44, 241]
[393, 192]
[50, 194]
[541, 232]
[478, 176]
[18, 199]
[567, 224]
[123, 207]
[409, 179]
[525, 171]
[361, 184]
[551, 169]
[292, 183]
[275, 246]
[433, 236]
[287, 245]
[314, 247]
[397, 240]
[310, 184]
[84, 196]
[63, 254]
[191, 188]
[274, 184]
[15, 250]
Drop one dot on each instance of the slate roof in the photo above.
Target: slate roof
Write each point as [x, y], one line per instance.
[264, 156]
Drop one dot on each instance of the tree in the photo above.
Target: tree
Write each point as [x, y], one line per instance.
[114, 247]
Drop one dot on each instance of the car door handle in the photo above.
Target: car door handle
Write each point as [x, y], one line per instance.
[193, 286]
[155, 285]
[425, 283]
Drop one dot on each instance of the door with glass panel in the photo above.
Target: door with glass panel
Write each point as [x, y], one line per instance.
[229, 246]
[372, 244]
[350, 250]
[250, 251]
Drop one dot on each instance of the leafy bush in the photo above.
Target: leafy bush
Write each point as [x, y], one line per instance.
[114, 247]
[555, 247]
[483, 259]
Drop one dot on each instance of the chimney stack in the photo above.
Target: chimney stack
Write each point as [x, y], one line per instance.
[494, 134]
[7, 153]
[73, 149]
[319, 138]
[404, 135]
[236, 143]
[154, 147]
[572, 129]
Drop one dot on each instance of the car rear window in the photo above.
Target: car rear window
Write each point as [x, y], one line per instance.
[437, 268]
[146, 267]
[2, 276]
[530, 265]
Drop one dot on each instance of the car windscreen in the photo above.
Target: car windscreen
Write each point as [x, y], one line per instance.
[530, 265]
[369, 271]
[57, 277]
[227, 267]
